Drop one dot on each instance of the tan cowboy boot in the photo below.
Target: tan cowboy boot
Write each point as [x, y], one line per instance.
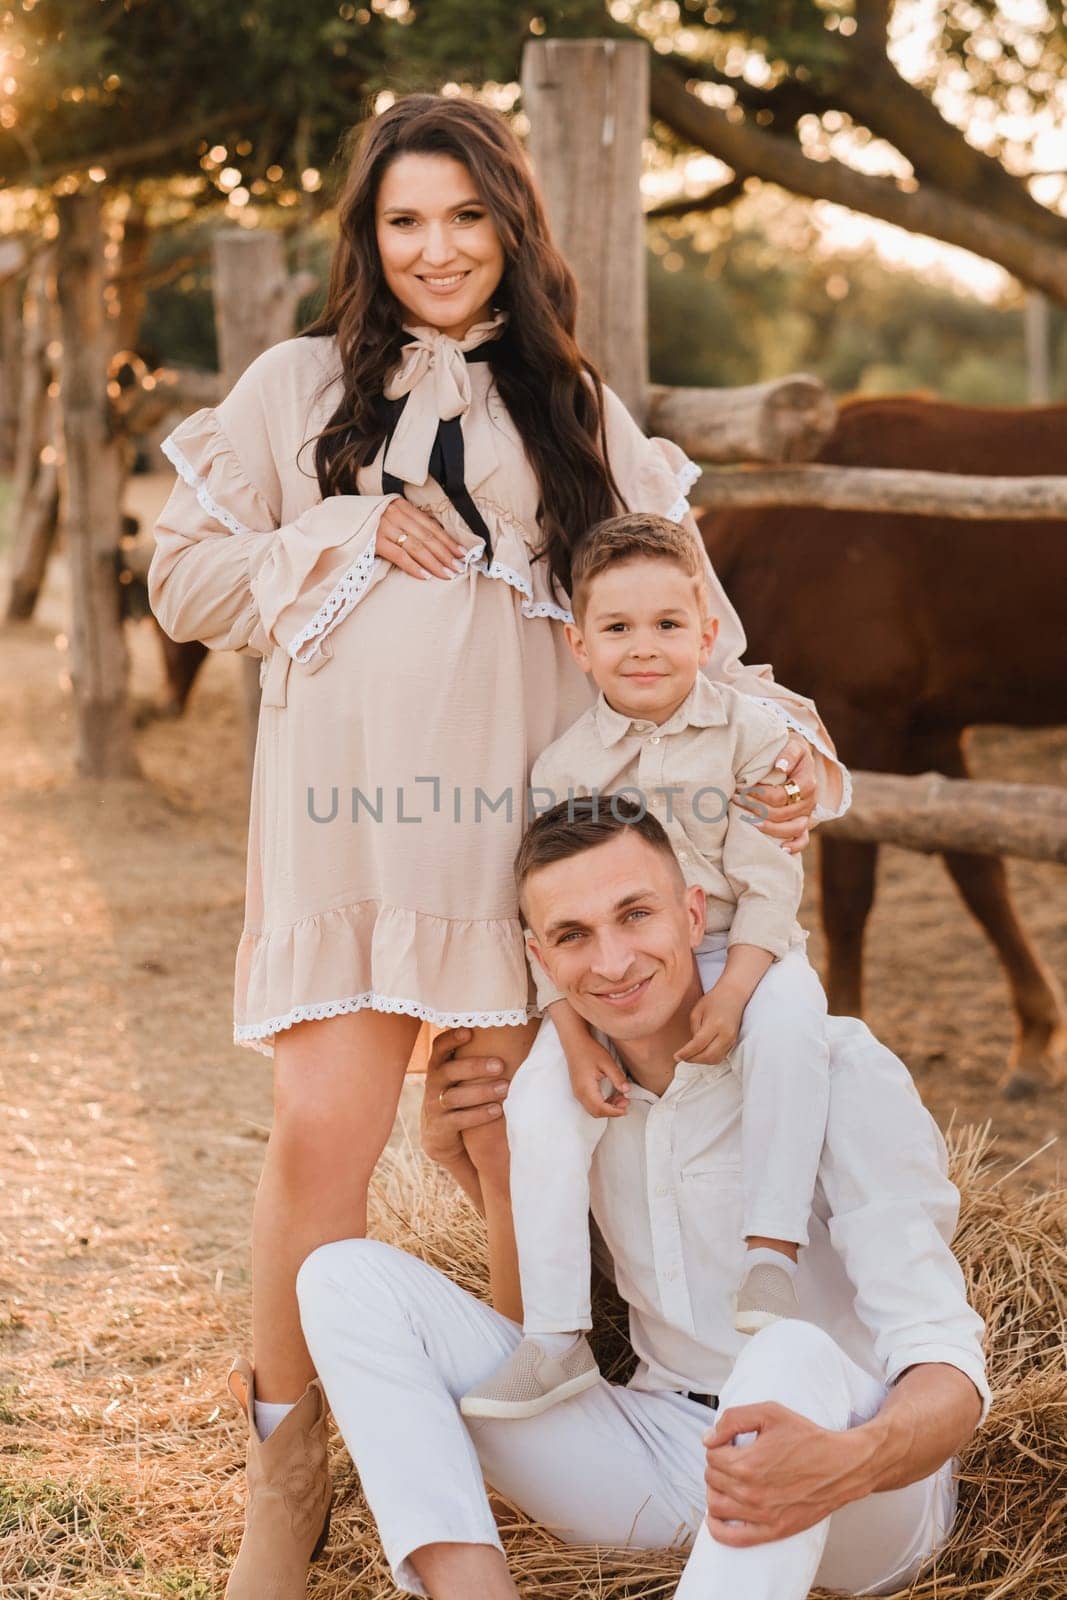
[287, 1517]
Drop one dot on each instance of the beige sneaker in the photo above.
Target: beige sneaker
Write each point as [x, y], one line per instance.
[766, 1295]
[531, 1381]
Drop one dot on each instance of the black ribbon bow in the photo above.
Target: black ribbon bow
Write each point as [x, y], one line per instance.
[446, 465]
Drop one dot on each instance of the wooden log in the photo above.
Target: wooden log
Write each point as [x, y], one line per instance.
[787, 419]
[103, 725]
[931, 814]
[917, 494]
[35, 514]
[587, 103]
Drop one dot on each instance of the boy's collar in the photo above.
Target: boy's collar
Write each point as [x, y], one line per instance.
[703, 707]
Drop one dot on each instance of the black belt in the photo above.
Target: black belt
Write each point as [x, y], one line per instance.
[711, 1400]
[446, 462]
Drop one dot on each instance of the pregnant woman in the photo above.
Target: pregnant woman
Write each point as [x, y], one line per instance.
[385, 511]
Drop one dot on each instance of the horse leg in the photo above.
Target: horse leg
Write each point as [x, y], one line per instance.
[847, 869]
[846, 879]
[1040, 1017]
[181, 664]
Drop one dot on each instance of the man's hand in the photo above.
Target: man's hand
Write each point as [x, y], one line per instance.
[791, 1476]
[458, 1095]
[716, 1022]
[588, 1062]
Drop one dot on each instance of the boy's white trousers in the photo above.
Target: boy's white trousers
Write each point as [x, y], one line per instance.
[396, 1343]
[783, 1061]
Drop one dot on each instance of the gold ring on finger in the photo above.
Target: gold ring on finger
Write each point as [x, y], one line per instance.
[792, 790]
[441, 1098]
[401, 538]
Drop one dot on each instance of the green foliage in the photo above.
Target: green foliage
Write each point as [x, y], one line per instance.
[749, 312]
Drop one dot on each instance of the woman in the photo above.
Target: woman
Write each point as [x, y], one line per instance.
[384, 509]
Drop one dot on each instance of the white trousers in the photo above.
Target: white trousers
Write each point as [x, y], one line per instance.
[783, 1061]
[396, 1343]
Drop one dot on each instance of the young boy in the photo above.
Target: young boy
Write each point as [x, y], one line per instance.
[664, 734]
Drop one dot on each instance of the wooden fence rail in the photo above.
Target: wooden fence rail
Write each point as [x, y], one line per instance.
[930, 814]
[919, 494]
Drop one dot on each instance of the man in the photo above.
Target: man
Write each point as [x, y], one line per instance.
[816, 1451]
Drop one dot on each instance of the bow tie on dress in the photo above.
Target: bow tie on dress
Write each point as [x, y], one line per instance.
[429, 393]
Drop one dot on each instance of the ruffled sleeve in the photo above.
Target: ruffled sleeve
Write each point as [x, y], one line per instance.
[225, 570]
[656, 475]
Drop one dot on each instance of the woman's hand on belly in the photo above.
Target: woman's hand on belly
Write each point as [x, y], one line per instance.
[416, 542]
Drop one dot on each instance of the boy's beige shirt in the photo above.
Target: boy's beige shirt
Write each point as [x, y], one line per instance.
[686, 771]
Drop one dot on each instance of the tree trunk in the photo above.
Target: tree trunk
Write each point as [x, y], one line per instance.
[1038, 337]
[931, 814]
[12, 267]
[36, 474]
[104, 730]
[587, 101]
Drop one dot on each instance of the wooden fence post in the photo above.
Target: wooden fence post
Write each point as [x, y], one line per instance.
[254, 305]
[94, 473]
[587, 101]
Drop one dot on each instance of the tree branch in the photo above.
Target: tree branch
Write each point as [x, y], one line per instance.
[751, 152]
[724, 194]
[127, 157]
[787, 102]
[872, 92]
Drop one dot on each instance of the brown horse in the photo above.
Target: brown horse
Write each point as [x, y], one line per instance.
[907, 631]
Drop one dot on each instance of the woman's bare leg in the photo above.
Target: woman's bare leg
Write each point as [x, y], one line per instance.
[336, 1087]
[457, 1571]
[488, 1149]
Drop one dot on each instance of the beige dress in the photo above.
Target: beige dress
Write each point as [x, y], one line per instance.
[400, 717]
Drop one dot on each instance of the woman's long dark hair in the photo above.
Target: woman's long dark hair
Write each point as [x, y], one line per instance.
[554, 395]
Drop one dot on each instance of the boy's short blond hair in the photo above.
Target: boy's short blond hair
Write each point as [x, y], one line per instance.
[639, 535]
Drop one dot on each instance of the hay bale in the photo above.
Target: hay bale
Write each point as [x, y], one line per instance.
[121, 1460]
[1011, 1533]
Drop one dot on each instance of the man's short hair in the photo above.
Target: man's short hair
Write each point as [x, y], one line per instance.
[639, 535]
[580, 824]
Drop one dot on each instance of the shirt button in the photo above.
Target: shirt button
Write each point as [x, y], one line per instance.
[682, 856]
[671, 1274]
[654, 739]
[661, 1189]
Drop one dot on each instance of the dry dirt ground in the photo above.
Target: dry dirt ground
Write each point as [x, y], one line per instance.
[132, 1129]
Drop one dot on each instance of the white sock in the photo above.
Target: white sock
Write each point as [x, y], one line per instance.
[554, 1344]
[269, 1414]
[763, 1255]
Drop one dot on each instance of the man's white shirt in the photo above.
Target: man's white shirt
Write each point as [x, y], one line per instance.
[878, 1274]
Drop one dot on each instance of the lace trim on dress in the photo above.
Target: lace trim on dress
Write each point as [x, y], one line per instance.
[531, 608]
[254, 1033]
[188, 474]
[338, 603]
[685, 477]
[821, 813]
